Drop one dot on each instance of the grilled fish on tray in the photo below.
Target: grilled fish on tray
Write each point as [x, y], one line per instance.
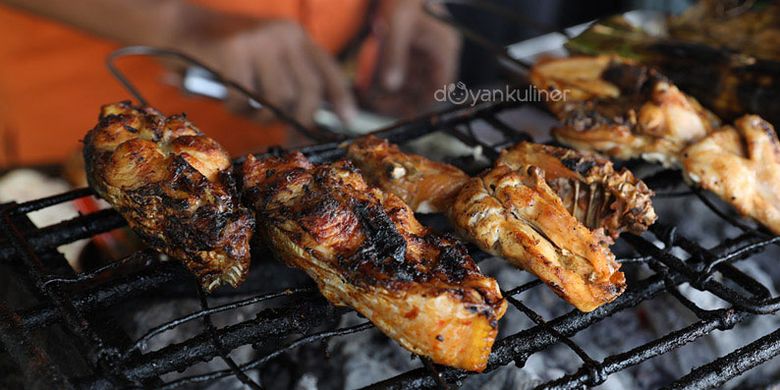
[620, 108]
[174, 187]
[365, 249]
[589, 186]
[512, 212]
[741, 164]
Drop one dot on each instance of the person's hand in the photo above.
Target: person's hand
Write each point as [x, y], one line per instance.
[419, 55]
[278, 60]
[275, 58]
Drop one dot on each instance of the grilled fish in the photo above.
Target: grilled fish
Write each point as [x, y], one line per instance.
[741, 164]
[365, 249]
[426, 186]
[513, 213]
[747, 28]
[734, 53]
[509, 213]
[175, 188]
[622, 109]
[590, 188]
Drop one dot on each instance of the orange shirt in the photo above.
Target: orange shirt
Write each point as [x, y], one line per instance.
[53, 79]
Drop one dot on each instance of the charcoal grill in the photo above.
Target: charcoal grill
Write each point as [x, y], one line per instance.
[74, 303]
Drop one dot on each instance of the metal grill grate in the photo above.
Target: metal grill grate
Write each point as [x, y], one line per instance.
[73, 302]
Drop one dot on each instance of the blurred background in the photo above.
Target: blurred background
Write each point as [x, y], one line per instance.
[344, 56]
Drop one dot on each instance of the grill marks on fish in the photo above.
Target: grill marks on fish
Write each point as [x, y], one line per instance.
[383, 247]
[381, 236]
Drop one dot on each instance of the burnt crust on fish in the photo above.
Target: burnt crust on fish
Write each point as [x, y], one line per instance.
[589, 187]
[175, 188]
[365, 249]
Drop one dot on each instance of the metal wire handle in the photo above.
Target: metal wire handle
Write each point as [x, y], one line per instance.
[318, 134]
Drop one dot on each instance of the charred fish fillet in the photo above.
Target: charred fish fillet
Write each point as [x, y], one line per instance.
[740, 164]
[514, 214]
[426, 186]
[622, 109]
[175, 188]
[365, 249]
[589, 186]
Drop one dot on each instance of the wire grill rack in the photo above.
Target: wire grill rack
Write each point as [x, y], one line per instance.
[76, 304]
